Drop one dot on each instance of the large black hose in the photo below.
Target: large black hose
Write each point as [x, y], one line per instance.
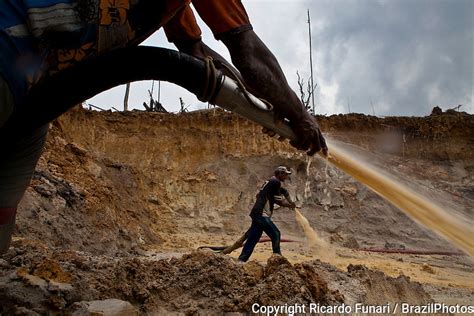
[55, 94]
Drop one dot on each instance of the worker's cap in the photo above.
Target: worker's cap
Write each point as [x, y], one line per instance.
[282, 169]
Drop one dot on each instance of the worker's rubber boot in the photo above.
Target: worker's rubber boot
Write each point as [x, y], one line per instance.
[7, 225]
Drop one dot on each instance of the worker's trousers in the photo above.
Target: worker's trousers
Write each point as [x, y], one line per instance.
[18, 158]
[260, 224]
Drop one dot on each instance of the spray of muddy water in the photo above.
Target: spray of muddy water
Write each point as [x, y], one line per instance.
[458, 231]
[307, 186]
[320, 247]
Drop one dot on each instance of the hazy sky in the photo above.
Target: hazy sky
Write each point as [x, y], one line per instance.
[388, 57]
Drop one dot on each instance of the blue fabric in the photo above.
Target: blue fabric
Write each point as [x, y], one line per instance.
[13, 13]
[31, 48]
[25, 58]
[259, 225]
[44, 3]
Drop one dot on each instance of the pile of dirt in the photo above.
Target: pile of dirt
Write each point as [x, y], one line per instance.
[41, 280]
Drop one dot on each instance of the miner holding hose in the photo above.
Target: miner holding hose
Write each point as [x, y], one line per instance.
[270, 193]
[41, 39]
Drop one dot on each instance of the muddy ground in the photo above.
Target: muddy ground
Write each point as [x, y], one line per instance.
[120, 202]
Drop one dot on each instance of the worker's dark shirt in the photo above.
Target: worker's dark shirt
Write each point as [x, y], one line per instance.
[270, 191]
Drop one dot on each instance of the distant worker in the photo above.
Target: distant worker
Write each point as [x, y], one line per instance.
[42, 38]
[270, 193]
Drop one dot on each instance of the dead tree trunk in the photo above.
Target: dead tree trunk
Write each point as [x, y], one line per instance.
[125, 99]
[305, 96]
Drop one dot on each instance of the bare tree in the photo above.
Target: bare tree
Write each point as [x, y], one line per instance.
[184, 108]
[456, 108]
[154, 106]
[125, 99]
[306, 92]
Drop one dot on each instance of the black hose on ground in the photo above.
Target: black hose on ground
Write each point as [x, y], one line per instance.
[56, 94]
